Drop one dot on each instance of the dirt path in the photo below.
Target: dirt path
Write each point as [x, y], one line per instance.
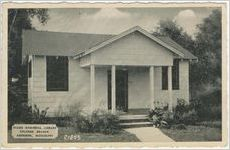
[149, 134]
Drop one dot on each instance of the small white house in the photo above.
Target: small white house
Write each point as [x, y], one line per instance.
[130, 71]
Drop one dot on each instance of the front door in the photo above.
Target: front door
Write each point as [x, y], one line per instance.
[121, 90]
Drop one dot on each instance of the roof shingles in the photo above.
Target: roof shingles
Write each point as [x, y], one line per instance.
[69, 44]
[58, 43]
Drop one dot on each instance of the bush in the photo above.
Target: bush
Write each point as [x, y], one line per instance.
[208, 107]
[189, 117]
[82, 124]
[104, 122]
[209, 112]
[161, 117]
[29, 115]
[39, 116]
[184, 113]
[99, 121]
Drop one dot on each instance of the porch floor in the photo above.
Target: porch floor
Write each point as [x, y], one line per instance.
[142, 111]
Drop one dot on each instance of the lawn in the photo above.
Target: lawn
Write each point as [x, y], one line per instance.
[66, 132]
[194, 133]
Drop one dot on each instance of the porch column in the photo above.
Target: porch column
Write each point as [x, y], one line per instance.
[170, 87]
[113, 72]
[151, 76]
[92, 86]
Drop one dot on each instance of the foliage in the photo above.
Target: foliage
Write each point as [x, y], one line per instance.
[184, 113]
[99, 121]
[174, 31]
[161, 117]
[206, 45]
[19, 19]
[205, 75]
[39, 116]
[208, 107]
[104, 122]
[29, 115]
[82, 124]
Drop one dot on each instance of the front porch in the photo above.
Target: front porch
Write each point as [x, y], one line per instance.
[119, 98]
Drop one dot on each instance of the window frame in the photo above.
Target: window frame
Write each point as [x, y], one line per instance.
[30, 69]
[65, 77]
[176, 74]
[164, 77]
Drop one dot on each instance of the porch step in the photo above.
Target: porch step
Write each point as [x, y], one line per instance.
[134, 121]
[127, 117]
[135, 124]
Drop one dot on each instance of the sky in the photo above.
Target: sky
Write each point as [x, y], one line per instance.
[117, 20]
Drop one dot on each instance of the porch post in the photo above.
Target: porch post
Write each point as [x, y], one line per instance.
[113, 89]
[92, 86]
[170, 87]
[151, 75]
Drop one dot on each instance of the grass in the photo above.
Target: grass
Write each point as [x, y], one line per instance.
[64, 134]
[194, 133]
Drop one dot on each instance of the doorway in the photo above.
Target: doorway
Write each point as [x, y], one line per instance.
[121, 90]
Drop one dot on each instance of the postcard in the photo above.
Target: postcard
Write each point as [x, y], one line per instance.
[114, 75]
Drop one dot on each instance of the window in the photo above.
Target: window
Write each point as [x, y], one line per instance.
[57, 73]
[165, 78]
[175, 75]
[29, 69]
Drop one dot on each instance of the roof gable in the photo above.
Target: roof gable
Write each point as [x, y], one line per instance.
[80, 44]
[127, 32]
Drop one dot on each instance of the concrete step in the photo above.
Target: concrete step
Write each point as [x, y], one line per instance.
[129, 117]
[133, 120]
[135, 124]
[128, 121]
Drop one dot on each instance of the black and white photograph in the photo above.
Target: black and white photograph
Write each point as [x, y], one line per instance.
[116, 73]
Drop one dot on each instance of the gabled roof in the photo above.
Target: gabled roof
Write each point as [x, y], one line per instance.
[127, 32]
[80, 44]
[169, 41]
[58, 43]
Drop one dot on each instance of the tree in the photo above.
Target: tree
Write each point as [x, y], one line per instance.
[174, 31]
[206, 46]
[19, 19]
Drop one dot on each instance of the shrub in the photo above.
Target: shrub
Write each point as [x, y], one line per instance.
[208, 106]
[82, 124]
[104, 122]
[209, 112]
[161, 117]
[39, 116]
[99, 121]
[29, 115]
[184, 113]
[189, 117]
